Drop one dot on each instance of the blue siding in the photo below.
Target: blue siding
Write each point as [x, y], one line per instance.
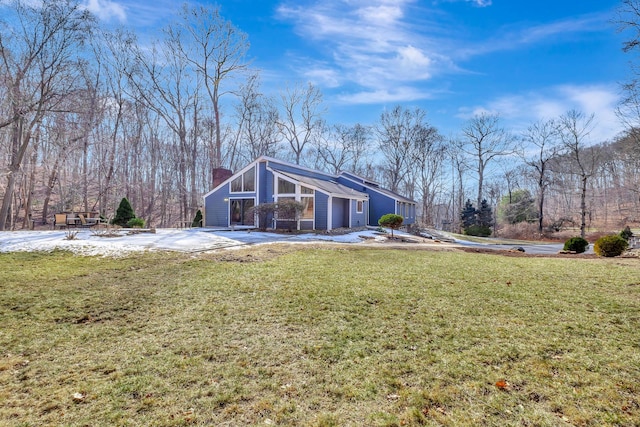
[356, 186]
[266, 190]
[263, 186]
[409, 215]
[216, 209]
[358, 219]
[379, 205]
[268, 194]
[321, 208]
[340, 213]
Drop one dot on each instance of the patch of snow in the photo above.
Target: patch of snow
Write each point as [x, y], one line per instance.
[89, 243]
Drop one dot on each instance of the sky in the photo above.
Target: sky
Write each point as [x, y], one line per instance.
[524, 60]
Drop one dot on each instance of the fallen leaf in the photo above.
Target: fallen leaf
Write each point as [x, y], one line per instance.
[502, 384]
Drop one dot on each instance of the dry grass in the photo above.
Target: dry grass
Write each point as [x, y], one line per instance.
[319, 337]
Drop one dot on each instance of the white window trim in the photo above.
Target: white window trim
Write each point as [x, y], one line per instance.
[241, 176]
[255, 218]
[297, 197]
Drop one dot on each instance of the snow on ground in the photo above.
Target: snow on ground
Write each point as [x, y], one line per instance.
[91, 243]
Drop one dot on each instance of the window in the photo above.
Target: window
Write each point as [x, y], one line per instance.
[249, 180]
[305, 190]
[286, 187]
[236, 185]
[359, 206]
[242, 211]
[307, 212]
[286, 214]
[245, 182]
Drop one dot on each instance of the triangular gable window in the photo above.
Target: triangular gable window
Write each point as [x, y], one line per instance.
[245, 183]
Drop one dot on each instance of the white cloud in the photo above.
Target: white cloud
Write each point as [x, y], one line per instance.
[520, 110]
[480, 3]
[370, 44]
[106, 10]
[386, 95]
[511, 39]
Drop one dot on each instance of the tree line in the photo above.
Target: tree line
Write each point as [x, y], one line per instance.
[90, 115]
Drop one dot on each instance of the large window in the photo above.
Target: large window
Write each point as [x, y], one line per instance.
[307, 212]
[245, 182]
[287, 190]
[242, 211]
[286, 214]
[286, 187]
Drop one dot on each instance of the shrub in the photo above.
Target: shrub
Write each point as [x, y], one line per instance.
[626, 234]
[478, 230]
[124, 213]
[610, 246]
[576, 244]
[135, 223]
[197, 221]
[392, 221]
[263, 212]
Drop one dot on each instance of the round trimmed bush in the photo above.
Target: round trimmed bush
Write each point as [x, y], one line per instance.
[610, 246]
[392, 221]
[135, 223]
[478, 231]
[576, 244]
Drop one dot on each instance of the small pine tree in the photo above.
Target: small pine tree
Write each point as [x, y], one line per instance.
[392, 221]
[197, 221]
[468, 215]
[485, 214]
[124, 213]
[626, 234]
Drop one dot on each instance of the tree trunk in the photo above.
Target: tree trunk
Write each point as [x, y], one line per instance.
[583, 207]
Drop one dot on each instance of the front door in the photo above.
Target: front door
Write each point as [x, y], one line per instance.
[241, 212]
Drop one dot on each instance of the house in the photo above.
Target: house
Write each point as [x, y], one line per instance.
[330, 201]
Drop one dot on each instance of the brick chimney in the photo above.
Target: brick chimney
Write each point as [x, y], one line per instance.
[220, 175]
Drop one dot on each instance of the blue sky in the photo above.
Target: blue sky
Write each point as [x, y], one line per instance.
[525, 60]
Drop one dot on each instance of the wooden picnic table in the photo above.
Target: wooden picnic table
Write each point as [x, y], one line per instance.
[76, 219]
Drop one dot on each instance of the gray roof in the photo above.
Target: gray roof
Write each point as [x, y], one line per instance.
[390, 193]
[330, 187]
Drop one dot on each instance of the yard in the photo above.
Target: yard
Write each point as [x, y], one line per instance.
[319, 336]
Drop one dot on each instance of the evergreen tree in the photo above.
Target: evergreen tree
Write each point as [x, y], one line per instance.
[468, 215]
[197, 221]
[124, 213]
[485, 215]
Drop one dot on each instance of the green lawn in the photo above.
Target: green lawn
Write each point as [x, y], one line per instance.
[319, 337]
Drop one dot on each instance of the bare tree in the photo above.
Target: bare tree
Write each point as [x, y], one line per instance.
[484, 141]
[341, 147]
[256, 122]
[628, 111]
[574, 128]
[427, 160]
[399, 131]
[38, 58]
[301, 119]
[167, 84]
[216, 50]
[543, 135]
